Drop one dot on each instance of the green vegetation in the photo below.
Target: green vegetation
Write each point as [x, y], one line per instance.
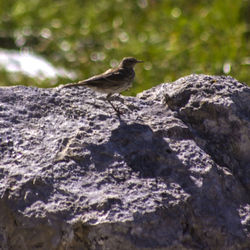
[174, 37]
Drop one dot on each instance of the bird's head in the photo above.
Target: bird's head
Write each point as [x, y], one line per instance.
[129, 62]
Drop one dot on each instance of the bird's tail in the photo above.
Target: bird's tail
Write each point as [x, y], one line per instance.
[81, 83]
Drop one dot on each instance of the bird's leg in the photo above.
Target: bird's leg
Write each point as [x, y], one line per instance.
[116, 109]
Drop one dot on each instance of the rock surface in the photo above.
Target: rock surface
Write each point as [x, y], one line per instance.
[173, 172]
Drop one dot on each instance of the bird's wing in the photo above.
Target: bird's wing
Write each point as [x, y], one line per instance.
[112, 75]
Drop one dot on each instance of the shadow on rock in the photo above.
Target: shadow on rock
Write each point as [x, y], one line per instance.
[143, 151]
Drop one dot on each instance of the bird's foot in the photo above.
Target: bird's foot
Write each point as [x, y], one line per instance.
[118, 112]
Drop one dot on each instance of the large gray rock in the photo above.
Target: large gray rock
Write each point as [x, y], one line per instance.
[173, 172]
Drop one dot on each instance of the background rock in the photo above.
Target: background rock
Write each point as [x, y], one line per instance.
[171, 173]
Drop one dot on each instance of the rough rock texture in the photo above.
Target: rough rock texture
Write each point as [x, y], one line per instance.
[173, 172]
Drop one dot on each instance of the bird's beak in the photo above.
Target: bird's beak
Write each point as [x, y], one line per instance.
[139, 61]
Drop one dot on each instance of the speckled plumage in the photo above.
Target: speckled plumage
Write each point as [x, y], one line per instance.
[112, 81]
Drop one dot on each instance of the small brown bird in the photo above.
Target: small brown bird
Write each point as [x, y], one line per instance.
[113, 80]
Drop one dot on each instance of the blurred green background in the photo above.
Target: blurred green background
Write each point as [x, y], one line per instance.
[174, 38]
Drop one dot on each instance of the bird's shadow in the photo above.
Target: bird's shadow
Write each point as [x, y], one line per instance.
[144, 152]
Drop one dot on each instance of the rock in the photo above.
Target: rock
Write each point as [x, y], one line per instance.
[172, 172]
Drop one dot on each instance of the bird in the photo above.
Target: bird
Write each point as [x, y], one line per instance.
[114, 80]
